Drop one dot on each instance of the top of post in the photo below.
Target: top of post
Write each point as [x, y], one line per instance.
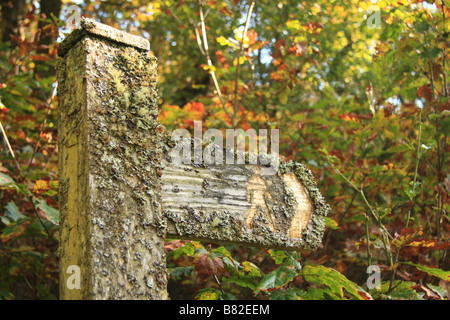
[97, 29]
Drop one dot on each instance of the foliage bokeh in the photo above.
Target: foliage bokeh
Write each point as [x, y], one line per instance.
[364, 106]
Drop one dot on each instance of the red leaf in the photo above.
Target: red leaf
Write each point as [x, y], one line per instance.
[425, 92]
[207, 265]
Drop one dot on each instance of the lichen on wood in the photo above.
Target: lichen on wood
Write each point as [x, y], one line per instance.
[213, 202]
[110, 153]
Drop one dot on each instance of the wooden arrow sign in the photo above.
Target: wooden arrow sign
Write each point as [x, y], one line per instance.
[233, 203]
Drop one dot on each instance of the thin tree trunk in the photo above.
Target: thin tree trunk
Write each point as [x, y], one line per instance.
[12, 14]
[48, 8]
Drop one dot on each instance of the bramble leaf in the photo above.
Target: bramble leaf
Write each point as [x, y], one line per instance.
[280, 276]
[51, 213]
[12, 211]
[208, 294]
[14, 230]
[439, 273]
[278, 255]
[331, 278]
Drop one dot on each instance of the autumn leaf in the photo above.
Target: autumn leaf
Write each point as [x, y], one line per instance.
[332, 279]
[280, 276]
[208, 294]
[174, 245]
[441, 274]
[251, 35]
[406, 235]
[242, 60]
[294, 24]
[331, 223]
[425, 92]
[208, 264]
[41, 186]
[209, 68]
[14, 230]
[178, 248]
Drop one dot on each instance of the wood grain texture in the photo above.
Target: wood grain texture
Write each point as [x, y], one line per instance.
[232, 203]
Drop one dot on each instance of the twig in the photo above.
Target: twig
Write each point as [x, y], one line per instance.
[417, 164]
[385, 232]
[203, 48]
[219, 284]
[369, 256]
[5, 137]
[374, 215]
[208, 58]
[29, 196]
[199, 40]
[439, 163]
[236, 78]
[397, 252]
[49, 100]
[174, 15]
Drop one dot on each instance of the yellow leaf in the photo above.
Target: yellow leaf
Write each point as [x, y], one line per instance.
[225, 42]
[241, 60]
[222, 40]
[209, 68]
[41, 186]
[294, 24]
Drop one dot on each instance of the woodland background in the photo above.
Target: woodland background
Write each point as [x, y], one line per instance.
[365, 108]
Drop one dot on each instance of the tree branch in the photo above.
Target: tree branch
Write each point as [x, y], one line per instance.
[236, 78]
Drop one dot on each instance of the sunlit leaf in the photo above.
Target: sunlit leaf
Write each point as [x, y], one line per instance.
[332, 279]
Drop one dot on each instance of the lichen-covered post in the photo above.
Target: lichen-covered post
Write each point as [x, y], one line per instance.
[109, 159]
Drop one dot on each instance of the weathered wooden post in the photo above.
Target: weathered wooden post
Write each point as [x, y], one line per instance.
[121, 191]
[109, 155]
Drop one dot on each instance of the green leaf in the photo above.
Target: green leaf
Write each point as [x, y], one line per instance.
[402, 290]
[208, 294]
[288, 294]
[253, 270]
[51, 213]
[180, 272]
[6, 295]
[188, 249]
[319, 294]
[331, 278]
[441, 274]
[243, 281]
[422, 26]
[231, 264]
[284, 95]
[434, 52]
[5, 180]
[228, 296]
[278, 255]
[12, 211]
[5, 220]
[280, 276]
[14, 230]
[331, 223]
[438, 290]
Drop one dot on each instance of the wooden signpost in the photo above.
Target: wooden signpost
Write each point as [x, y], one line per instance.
[121, 194]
